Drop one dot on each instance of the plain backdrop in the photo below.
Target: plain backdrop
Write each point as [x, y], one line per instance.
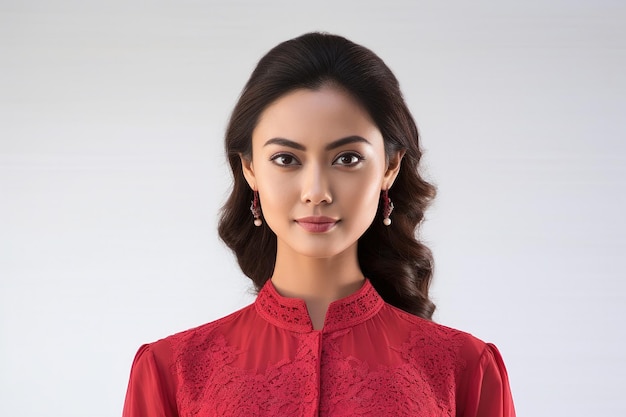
[112, 172]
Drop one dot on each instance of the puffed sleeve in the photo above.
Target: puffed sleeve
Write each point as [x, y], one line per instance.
[149, 391]
[489, 394]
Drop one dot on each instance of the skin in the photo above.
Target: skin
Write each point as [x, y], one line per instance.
[318, 153]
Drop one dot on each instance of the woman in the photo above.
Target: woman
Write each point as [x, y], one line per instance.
[320, 143]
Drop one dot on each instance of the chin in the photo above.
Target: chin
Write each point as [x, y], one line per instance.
[320, 251]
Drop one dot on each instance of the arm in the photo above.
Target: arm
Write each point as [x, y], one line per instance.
[148, 394]
[489, 392]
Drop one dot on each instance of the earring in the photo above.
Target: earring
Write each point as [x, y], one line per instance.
[256, 210]
[387, 208]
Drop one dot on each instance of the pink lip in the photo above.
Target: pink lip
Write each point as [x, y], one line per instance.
[316, 224]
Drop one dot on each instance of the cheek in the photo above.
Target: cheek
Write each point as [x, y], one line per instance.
[363, 194]
[275, 192]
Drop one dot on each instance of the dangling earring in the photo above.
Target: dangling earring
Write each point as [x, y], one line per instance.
[387, 208]
[256, 210]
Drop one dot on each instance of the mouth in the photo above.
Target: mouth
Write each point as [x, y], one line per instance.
[317, 224]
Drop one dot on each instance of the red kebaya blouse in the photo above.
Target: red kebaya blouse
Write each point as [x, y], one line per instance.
[370, 359]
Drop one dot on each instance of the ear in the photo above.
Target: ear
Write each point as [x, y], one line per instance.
[393, 168]
[248, 171]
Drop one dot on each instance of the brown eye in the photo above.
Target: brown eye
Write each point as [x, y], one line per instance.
[348, 159]
[284, 159]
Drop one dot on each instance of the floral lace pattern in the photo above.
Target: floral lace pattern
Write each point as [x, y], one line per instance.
[292, 314]
[354, 309]
[288, 313]
[423, 384]
[317, 377]
[212, 385]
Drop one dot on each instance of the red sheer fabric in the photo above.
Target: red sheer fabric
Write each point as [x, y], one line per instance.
[370, 359]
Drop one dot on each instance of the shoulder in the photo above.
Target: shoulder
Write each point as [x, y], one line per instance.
[169, 349]
[454, 360]
[428, 336]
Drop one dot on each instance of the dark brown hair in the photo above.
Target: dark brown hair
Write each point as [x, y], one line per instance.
[397, 264]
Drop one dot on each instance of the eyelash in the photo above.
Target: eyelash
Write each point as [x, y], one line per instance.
[279, 156]
[358, 157]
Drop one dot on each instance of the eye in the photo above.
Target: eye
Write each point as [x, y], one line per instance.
[348, 159]
[284, 159]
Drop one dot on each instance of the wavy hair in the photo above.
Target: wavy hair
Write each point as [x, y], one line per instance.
[398, 265]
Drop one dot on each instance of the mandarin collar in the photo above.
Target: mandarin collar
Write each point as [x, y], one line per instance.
[292, 314]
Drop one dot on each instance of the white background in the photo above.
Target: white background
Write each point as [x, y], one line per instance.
[112, 172]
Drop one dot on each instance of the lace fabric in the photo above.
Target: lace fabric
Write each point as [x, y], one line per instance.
[218, 387]
[370, 359]
[292, 314]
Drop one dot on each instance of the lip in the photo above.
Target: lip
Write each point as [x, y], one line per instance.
[317, 224]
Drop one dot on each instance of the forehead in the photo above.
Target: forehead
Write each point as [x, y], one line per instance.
[319, 115]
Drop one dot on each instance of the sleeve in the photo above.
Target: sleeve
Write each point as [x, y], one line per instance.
[489, 394]
[147, 393]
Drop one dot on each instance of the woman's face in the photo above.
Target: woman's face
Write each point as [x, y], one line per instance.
[319, 166]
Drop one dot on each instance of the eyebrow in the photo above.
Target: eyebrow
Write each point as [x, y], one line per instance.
[333, 145]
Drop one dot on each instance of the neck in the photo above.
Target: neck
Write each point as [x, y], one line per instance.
[318, 281]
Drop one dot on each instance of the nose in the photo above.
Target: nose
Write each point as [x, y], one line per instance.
[315, 186]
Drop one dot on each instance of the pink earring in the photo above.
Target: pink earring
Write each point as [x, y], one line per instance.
[256, 210]
[387, 208]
